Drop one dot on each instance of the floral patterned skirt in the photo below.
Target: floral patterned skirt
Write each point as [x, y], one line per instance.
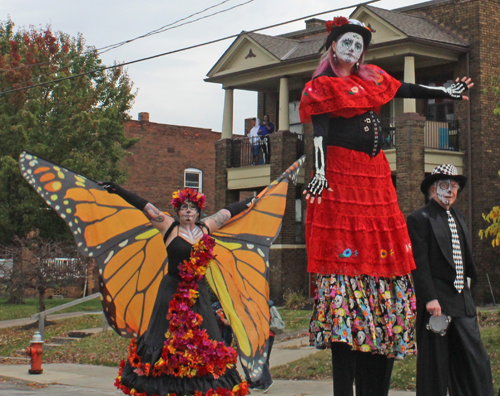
[371, 314]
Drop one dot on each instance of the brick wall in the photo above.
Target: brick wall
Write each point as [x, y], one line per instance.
[410, 162]
[156, 166]
[478, 21]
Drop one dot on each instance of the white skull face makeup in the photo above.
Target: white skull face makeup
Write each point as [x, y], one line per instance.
[446, 191]
[349, 47]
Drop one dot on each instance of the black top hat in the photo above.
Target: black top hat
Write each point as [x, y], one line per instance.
[341, 25]
[445, 171]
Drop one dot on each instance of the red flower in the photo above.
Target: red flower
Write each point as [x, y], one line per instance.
[337, 21]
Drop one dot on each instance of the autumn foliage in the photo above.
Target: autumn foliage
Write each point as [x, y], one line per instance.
[74, 119]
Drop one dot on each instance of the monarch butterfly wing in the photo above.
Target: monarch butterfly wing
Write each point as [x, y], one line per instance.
[130, 253]
[239, 274]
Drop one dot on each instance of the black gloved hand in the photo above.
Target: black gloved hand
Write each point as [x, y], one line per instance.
[130, 197]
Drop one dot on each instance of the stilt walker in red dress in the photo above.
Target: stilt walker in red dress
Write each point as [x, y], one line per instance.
[356, 236]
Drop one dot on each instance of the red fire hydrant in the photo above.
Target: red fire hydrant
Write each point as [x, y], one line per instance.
[35, 352]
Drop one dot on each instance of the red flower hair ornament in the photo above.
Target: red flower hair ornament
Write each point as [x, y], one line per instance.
[188, 194]
[337, 21]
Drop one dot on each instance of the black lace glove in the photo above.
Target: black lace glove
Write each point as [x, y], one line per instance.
[130, 197]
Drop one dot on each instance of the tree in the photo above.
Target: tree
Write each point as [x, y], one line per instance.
[493, 218]
[40, 265]
[77, 123]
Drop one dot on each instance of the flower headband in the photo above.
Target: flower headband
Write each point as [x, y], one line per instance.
[188, 194]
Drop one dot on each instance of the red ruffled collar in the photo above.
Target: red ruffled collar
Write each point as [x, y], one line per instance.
[346, 97]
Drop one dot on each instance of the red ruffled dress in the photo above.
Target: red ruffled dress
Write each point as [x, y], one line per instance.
[356, 238]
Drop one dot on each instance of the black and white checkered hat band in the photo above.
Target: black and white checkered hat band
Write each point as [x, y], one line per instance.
[445, 169]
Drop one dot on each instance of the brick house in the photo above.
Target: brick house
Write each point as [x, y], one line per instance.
[168, 158]
[428, 43]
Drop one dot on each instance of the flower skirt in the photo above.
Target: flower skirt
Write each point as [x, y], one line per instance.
[358, 229]
[371, 314]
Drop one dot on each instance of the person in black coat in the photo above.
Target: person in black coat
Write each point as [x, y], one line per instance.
[442, 251]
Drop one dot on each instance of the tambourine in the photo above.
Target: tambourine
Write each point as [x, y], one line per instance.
[439, 324]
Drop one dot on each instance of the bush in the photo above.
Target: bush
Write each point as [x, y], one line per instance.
[294, 300]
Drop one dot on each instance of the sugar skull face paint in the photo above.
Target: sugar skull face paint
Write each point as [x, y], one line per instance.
[349, 47]
[188, 211]
[446, 191]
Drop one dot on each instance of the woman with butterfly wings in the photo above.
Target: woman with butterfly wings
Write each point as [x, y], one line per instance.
[183, 338]
[160, 299]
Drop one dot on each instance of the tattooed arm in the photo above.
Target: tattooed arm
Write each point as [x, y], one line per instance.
[217, 220]
[158, 219]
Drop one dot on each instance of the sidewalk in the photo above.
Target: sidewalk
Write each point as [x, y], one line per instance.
[81, 378]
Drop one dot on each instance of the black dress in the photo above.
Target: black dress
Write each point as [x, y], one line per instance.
[151, 343]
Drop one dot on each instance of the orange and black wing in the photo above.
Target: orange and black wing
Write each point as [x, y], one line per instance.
[239, 275]
[130, 253]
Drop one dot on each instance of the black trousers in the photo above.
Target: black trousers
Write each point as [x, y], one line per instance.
[370, 372]
[456, 361]
[266, 379]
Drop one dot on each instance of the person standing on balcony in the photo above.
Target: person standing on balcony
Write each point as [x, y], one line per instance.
[356, 236]
[253, 137]
[266, 128]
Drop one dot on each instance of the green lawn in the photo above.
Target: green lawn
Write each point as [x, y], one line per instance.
[296, 319]
[30, 307]
[13, 339]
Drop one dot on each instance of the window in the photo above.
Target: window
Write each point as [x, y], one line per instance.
[193, 178]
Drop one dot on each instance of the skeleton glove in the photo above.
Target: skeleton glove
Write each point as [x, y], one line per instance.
[318, 182]
[455, 90]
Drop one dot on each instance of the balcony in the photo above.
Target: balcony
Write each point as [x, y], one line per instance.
[438, 135]
[244, 150]
[441, 143]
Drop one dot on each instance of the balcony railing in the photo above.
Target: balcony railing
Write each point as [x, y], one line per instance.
[247, 151]
[440, 135]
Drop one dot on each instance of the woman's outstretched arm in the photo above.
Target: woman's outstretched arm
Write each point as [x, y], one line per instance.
[158, 219]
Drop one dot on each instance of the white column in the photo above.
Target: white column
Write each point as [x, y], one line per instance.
[284, 118]
[227, 118]
[409, 105]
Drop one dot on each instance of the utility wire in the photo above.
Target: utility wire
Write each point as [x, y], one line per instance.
[181, 49]
[170, 25]
[156, 31]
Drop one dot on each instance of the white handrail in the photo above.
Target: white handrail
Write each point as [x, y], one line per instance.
[64, 306]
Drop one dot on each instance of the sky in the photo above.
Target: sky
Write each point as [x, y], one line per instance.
[171, 88]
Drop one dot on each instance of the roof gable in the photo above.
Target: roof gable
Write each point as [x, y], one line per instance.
[251, 50]
[394, 25]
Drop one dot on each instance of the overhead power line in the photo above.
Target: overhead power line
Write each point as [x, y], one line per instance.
[182, 49]
[165, 28]
[170, 25]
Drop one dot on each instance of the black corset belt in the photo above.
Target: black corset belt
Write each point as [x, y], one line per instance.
[360, 133]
